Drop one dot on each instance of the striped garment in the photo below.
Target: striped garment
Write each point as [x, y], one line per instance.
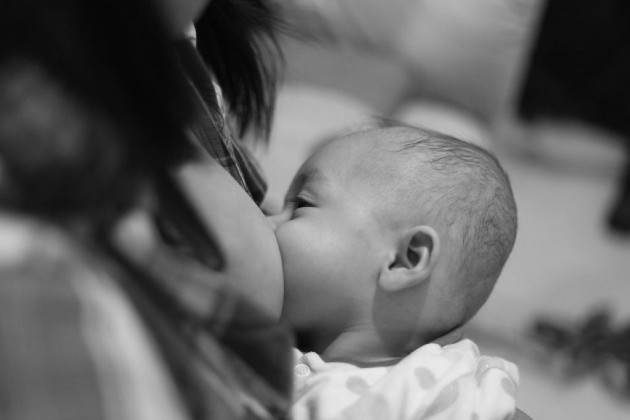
[211, 130]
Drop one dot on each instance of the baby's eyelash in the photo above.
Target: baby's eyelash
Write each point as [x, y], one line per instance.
[300, 202]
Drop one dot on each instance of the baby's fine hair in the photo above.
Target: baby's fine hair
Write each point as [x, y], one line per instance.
[470, 193]
[464, 187]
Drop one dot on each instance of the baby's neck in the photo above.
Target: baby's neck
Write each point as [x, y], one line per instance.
[359, 346]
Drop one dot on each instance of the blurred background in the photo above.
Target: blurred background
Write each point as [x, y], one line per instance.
[545, 84]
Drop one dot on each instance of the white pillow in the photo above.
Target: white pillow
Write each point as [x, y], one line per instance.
[469, 52]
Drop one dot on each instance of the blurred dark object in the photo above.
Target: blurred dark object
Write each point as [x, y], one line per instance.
[95, 113]
[580, 69]
[590, 347]
[619, 217]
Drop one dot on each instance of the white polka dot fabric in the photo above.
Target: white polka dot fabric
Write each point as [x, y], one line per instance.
[450, 382]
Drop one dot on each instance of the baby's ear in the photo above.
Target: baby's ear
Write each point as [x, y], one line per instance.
[413, 261]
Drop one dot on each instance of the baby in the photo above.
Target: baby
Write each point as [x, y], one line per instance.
[389, 239]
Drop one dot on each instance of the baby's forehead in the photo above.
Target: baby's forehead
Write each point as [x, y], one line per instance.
[376, 155]
[362, 144]
[374, 160]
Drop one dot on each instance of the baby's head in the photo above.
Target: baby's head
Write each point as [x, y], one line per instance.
[398, 230]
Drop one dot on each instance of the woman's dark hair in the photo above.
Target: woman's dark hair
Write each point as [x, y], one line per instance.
[115, 103]
[237, 39]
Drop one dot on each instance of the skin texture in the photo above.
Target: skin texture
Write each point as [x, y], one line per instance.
[329, 240]
[356, 276]
[247, 239]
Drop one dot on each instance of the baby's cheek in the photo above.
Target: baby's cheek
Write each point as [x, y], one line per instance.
[308, 251]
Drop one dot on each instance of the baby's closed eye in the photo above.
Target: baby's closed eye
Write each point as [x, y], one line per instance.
[301, 202]
[298, 204]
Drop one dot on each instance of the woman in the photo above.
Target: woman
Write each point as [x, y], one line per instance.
[93, 110]
[235, 70]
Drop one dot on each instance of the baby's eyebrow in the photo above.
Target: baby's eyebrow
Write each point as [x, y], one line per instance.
[312, 175]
